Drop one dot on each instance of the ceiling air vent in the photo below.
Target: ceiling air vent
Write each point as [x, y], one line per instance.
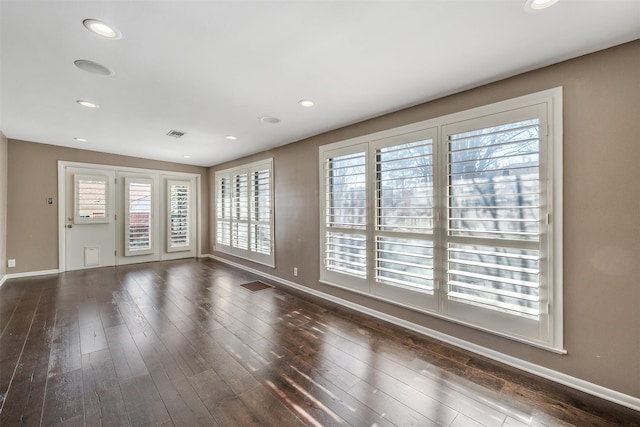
[175, 133]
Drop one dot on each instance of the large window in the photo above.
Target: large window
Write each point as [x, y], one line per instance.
[244, 211]
[456, 216]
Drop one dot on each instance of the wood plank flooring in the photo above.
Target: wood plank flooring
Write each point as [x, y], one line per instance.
[182, 343]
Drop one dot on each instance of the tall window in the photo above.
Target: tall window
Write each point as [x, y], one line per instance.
[244, 211]
[453, 216]
[138, 216]
[179, 223]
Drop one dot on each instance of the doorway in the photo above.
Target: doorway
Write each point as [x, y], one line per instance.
[113, 215]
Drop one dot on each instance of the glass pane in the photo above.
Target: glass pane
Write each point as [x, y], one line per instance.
[179, 215]
[139, 209]
[494, 182]
[91, 197]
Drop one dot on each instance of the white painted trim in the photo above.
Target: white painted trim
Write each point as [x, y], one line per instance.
[31, 274]
[3, 279]
[558, 377]
[62, 203]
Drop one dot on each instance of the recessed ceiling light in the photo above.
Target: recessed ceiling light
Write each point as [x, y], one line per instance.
[92, 67]
[80, 139]
[87, 104]
[187, 157]
[101, 29]
[231, 137]
[306, 103]
[270, 120]
[537, 5]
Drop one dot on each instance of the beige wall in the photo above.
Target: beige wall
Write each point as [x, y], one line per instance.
[32, 235]
[3, 204]
[601, 213]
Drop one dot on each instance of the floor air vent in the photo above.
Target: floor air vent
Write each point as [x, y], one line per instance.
[256, 286]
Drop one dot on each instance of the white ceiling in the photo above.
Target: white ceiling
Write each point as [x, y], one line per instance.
[212, 68]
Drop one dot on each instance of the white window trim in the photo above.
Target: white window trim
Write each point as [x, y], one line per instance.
[554, 177]
[259, 258]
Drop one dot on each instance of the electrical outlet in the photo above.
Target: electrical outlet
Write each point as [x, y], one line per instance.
[11, 263]
[295, 271]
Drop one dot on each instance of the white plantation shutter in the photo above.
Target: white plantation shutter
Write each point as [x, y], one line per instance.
[261, 211]
[345, 215]
[460, 214]
[223, 211]
[494, 237]
[138, 216]
[240, 212]
[404, 217]
[179, 216]
[244, 211]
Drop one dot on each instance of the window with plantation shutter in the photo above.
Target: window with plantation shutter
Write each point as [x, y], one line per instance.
[494, 217]
[240, 212]
[260, 209]
[403, 233]
[91, 198]
[244, 211]
[179, 216]
[346, 214]
[223, 210]
[459, 216]
[138, 216]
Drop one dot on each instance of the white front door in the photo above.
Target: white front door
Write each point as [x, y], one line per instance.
[89, 218]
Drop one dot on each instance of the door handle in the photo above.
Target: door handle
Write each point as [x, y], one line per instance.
[70, 226]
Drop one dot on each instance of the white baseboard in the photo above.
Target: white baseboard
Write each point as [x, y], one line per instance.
[3, 279]
[31, 274]
[558, 377]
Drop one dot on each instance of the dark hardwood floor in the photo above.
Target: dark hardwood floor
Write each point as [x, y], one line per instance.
[182, 343]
